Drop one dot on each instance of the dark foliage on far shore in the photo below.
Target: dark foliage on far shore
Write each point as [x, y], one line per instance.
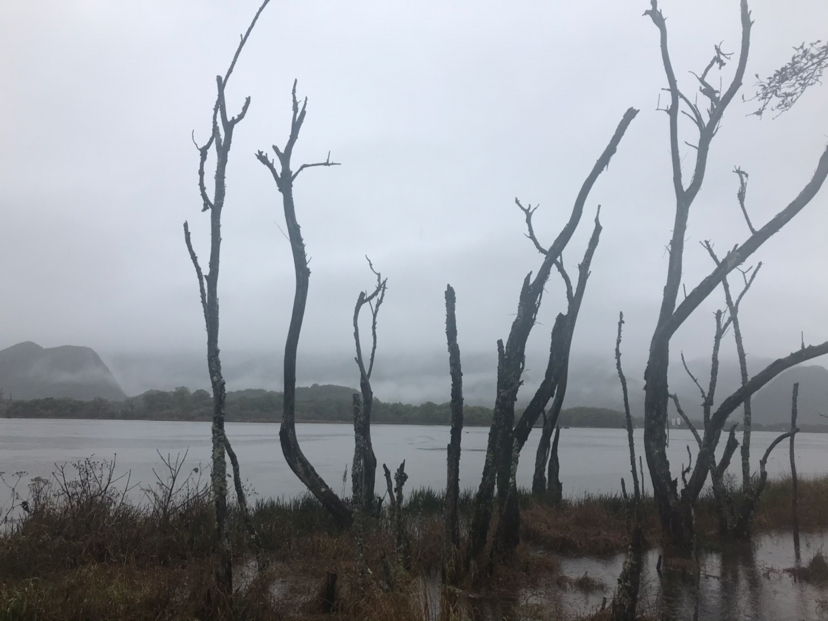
[317, 403]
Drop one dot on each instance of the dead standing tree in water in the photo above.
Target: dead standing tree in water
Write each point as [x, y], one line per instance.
[555, 378]
[625, 599]
[511, 357]
[451, 522]
[554, 383]
[364, 469]
[736, 511]
[284, 176]
[221, 139]
[676, 508]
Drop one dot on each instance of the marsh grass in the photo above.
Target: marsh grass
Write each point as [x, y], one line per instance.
[84, 550]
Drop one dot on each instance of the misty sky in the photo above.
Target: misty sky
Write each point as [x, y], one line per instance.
[441, 113]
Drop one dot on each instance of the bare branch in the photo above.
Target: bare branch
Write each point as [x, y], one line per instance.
[243, 40]
[197, 266]
[729, 405]
[628, 416]
[528, 211]
[693, 377]
[327, 162]
[764, 460]
[740, 195]
[740, 254]
[686, 420]
[567, 282]
[203, 152]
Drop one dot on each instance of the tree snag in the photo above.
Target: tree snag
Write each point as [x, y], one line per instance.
[676, 511]
[625, 599]
[553, 384]
[794, 483]
[363, 473]
[511, 358]
[221, 138]
[451, 523]
[284, 177]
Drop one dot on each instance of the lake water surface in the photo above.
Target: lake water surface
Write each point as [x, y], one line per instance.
[592, 460]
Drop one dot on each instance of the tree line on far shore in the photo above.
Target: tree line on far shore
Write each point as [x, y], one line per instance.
[317, 403]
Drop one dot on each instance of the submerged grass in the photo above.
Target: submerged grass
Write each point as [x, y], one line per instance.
[84, 550]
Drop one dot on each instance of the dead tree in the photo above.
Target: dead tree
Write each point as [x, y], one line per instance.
[451, 522]
[364, 470]
[736, 512]
[511, 357]
[625, 599]
[675, 510]
[395, 497]
[221, 138]
[284, 176]
[794, 482]
[553, 384]
[557, 373]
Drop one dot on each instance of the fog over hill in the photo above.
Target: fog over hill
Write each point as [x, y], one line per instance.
[29, 371]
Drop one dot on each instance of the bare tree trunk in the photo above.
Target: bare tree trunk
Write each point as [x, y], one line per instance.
[744, 519]
[252, 533]
[359, 450]
[511, 357]
[627, 415]
[402, 543]
[221, 138]
[794, 484]
[284, 178]
[451, 524]
[365, 462]
[625, 600]
[554, 490]
[541, 458]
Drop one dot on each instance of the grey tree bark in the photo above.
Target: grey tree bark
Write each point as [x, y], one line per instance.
[625, 599]
[676, 510]
[221, 139]
[794, 482]
[511, 357]
[451, 522]
[284, 176]
[364, 470]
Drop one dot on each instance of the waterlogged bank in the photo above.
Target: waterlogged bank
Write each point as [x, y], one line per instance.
[82, 550]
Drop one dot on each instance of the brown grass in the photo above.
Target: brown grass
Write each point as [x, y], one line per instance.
[587, 526]
[84, 551]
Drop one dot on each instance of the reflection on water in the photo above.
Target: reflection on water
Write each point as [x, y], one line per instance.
[740, 583]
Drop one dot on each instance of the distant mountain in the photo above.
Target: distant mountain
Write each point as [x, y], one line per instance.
[771, 405]
[29, 371]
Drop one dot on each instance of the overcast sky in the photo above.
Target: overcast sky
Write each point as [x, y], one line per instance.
[441, 113]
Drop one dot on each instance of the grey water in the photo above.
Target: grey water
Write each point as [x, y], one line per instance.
[592, 460]
[745, 582]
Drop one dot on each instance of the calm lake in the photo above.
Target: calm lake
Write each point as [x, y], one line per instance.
[592, 460]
